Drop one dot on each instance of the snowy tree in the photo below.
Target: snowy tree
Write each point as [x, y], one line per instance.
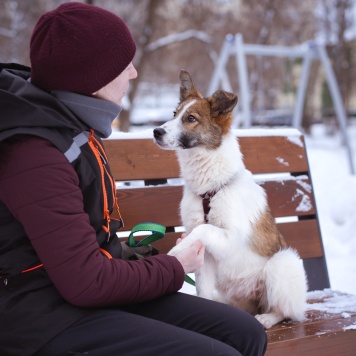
[337, 20]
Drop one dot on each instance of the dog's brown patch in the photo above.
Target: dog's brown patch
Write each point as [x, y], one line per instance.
[266, 238]
[198, 129]
[221, 105]
[208, 119]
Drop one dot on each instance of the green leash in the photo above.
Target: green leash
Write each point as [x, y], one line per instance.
[158, 232]
[189, 280]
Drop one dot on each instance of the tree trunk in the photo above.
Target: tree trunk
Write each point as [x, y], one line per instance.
[140, 61]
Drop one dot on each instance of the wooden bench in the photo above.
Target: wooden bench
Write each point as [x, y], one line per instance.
[149, 189]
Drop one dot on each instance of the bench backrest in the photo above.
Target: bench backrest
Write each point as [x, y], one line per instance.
[278, 160]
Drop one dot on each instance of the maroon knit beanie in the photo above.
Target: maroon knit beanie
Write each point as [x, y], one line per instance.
[79, 48]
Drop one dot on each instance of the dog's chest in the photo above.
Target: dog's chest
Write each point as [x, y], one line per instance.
[197, 209]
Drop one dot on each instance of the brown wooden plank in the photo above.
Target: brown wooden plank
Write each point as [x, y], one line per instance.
[157, 204]
[161, 203]
[290, 197]
[311, 317]
[140, 159]
[132, 159]
[322, 337]
[280, 331]
[304, 236]
[265, 154]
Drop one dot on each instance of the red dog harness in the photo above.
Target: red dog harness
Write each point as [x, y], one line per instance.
[206, 203]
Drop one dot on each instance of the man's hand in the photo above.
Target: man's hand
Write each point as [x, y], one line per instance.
[191, 257]
[180, 239]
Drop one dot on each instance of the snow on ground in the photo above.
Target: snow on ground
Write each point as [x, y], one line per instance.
[335, 194]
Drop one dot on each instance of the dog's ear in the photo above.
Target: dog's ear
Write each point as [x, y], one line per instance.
[187, 88]
[222, 102]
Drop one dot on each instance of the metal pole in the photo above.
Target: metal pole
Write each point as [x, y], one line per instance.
[274, 51]
[219, 73]
[244, 86]
[302, 88]
[336, 96]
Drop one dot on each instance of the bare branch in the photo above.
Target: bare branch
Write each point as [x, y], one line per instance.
[178, 37]
[7, 33]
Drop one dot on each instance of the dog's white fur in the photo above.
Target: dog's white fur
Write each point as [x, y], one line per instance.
[234, 272]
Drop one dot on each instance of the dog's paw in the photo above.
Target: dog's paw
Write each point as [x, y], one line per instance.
[270, 319]
[175, 250]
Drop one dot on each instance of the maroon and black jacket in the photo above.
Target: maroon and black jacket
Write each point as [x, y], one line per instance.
[54, 226]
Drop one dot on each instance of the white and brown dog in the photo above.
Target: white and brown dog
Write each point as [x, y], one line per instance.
[247, 263]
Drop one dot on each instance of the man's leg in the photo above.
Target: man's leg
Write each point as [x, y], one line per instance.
[110, 332]
[219, 321]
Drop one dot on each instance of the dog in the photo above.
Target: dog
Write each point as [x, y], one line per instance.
[247, 262]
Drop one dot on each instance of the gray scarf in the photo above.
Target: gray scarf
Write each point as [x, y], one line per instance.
[98, 114]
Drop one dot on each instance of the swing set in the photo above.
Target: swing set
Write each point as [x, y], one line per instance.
[308, 52]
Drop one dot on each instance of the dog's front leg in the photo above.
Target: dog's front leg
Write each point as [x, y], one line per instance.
[185, 243]
[213, 238]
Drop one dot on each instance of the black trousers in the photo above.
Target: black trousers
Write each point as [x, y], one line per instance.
[178, 324]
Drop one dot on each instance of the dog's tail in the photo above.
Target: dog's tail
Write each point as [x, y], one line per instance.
[286, 284]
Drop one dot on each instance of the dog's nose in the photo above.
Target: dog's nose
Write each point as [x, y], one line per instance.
[158, 132]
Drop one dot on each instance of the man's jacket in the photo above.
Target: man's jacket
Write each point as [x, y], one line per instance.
[59, 255]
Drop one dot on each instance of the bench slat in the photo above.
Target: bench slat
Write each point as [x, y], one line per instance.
[290, 197]
[129, 159]
[302, 235]
[268, 154]
[156, 204]
[323, 335]
[161, 204]
[140, 159]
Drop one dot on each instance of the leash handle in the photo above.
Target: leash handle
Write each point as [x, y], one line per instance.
[157, 230]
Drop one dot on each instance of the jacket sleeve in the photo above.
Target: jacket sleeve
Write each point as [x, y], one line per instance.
[42, 192]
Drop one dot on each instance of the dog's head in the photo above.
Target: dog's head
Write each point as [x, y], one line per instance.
[197, 121]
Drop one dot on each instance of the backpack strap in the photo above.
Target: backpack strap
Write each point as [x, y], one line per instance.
[73, 151]
[56, 137]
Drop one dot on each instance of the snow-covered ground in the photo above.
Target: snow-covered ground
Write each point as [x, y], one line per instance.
[335, 194]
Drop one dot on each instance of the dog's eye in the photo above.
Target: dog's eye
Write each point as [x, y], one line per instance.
[191, 118]
[174, 113]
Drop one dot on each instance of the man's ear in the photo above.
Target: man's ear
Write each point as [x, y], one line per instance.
[222, 102]
[187, 88]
